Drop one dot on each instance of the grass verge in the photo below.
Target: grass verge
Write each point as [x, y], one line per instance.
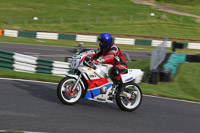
[11, 132]
[29, 76]
[185, 84]
[114, 16]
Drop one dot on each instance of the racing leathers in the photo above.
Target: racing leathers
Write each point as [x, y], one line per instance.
[113, 55]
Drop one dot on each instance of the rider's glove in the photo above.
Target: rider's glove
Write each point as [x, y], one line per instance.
[95, 62]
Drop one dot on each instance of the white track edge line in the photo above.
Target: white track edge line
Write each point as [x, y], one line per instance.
[172, 99]
[57, 83]
[21, 131]
[28, 80]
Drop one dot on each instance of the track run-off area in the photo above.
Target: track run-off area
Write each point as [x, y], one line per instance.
[27, 105]
[57, 52]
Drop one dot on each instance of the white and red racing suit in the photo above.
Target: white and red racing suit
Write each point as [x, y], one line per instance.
[112, 55]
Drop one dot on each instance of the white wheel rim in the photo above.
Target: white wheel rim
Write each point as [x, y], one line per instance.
[133, 104]
[77, 95]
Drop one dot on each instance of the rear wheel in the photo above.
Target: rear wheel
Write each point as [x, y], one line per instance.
[64, 91]
[130, 103]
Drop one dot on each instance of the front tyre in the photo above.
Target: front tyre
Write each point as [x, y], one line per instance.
[64, 91]
[127, 103]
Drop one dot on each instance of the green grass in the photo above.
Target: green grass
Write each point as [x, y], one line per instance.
[29, 76]
[189, 9]
[114, 16]
[185, 84]
[140, 64]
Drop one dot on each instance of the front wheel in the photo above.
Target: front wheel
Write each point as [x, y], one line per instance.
[130, 104]
[64, 91]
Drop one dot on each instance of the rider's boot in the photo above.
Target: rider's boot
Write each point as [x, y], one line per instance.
[121, 87]
[121, 90]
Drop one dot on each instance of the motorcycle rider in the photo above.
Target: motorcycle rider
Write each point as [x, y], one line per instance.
[111, 54]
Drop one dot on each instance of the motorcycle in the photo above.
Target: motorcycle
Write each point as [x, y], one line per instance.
[94, 82]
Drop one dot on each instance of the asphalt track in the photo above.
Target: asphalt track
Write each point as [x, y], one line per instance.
[34, 106]
[57, 52]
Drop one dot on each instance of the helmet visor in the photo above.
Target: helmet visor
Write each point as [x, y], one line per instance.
[101, 42]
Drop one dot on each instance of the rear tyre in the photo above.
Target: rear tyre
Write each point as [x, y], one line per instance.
[130, 104]
[64, 91]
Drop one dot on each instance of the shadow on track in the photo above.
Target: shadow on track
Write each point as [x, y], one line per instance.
[38, 90]
[48, 93]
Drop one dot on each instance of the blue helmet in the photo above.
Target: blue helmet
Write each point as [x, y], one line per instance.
[105, 40]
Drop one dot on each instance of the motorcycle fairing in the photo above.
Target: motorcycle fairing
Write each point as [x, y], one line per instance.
[96, 83]
[94, 86]
[92, 93]
[131, 75]
[78, 58]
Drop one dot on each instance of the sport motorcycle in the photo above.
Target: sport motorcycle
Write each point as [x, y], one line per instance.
[95, 82]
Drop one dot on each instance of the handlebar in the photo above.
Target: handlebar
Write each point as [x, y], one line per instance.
[88, 62]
